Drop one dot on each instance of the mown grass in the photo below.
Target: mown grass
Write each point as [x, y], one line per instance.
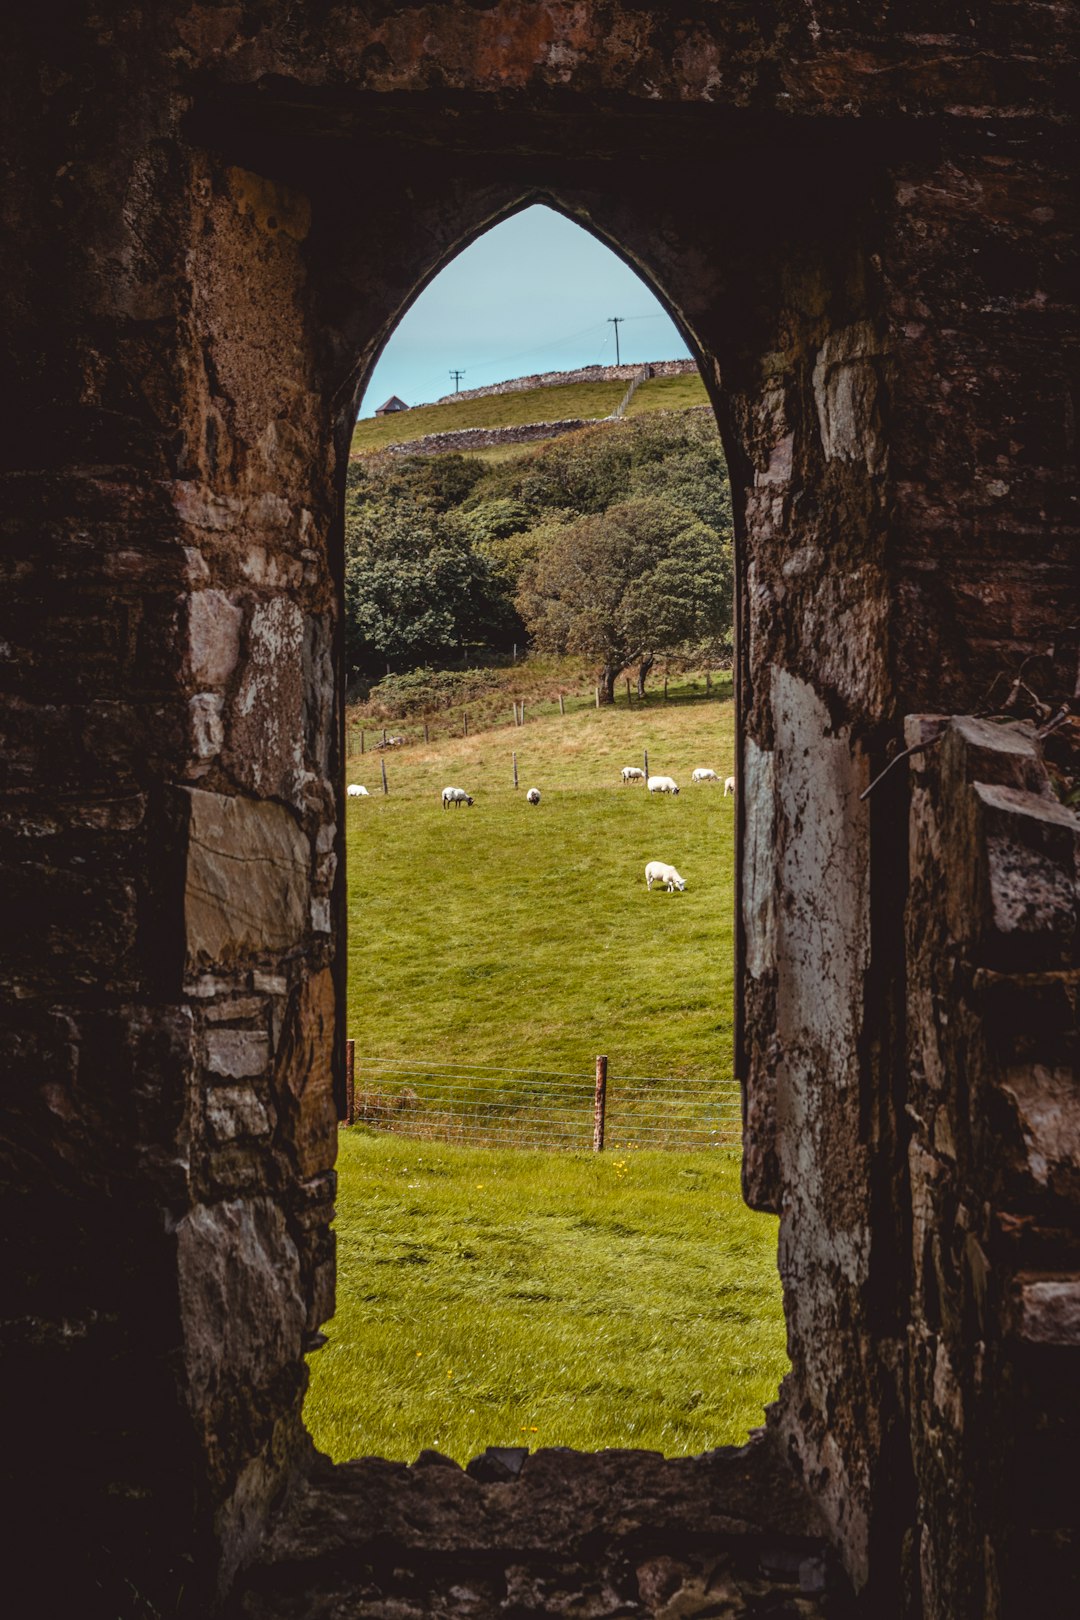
[521, 936]
[492, 1297]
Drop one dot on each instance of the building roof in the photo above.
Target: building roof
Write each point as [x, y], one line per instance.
[392, 404]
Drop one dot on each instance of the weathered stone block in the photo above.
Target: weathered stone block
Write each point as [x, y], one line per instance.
[1032, 849]
[234, 1112]
[304, 1076]
[237, 1053]
[213, 637]
[265, 721]
[243, 1314]
[247, 879]
[1049, 1310]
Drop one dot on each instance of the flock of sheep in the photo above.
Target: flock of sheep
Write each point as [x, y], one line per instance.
[656, 871]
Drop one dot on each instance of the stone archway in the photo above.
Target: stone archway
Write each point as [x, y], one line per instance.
[237, 217]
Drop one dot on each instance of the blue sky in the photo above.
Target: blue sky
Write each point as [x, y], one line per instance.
[533, 294]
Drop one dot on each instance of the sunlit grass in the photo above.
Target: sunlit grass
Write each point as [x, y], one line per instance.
[521, 936]
[501, 1297]
[491, 1297]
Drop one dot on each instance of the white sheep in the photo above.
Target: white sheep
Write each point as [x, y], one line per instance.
[729, 786]
[663, 784]
[631, 773]
[533, 795]
[661, 872]
[355, 791]
[704, 775]
[457, 796]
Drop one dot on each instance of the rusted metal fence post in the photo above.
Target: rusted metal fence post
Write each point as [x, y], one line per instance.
[600, 1105]
[382, 762]
[350, 1082]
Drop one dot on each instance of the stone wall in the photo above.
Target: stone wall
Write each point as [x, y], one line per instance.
[994, 1153]
[583, 374]
[865, 228]
[433, 444]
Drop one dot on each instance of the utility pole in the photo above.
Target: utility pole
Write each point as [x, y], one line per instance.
[457, 376]
[613, 320]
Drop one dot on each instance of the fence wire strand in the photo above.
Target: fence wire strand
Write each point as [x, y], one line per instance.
[496, 1106]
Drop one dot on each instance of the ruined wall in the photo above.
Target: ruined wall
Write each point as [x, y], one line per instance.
[217, 217]
[992, 927]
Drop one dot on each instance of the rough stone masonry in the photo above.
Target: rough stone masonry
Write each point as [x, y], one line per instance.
[864, 221]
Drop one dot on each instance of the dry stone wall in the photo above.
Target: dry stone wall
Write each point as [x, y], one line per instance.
[583, 374]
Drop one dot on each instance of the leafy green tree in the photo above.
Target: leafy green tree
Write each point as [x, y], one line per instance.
[643, 577]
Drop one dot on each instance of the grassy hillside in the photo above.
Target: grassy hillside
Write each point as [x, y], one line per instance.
[543, 1299]
[522, 936]
[530, 405]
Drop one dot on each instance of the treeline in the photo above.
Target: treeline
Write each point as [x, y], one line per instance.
[614, 544]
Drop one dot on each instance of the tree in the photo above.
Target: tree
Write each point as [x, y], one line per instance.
[619, 586]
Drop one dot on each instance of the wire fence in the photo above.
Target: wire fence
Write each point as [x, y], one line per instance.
[487, 1106]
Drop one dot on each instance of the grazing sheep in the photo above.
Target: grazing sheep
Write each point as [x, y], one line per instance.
[661, 872]
[704, 775]
[458, 796]
[533, 795]
[630, 773]
[663, 784]
[729, 786]
[355, 791]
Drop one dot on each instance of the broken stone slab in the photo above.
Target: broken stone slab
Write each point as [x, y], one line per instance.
[247, 879]
[1032, 854]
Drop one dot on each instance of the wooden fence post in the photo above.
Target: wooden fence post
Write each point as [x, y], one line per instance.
[384, 736]
[361, 739]
[514, 757]
[426, 737]
[708, 682]
[629, 699]
[665, 688]
[562, 705]
[599, 1105]
[465, 717]
[382, 762]
[597, 697]
[350, 1082]
[646, 767]
[523, 711]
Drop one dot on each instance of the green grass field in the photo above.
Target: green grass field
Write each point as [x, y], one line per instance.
[521, 936]
[501, 1297]
[567, 400]
[544, 1299]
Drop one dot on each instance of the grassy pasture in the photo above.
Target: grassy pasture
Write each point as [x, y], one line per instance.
[497, 1298]
[500, 1297]
[560, 403]
[508, 934]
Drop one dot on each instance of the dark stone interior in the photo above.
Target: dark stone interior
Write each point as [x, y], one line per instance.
[863, 220]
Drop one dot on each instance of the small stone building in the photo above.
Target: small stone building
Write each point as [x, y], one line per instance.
[391, 406]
